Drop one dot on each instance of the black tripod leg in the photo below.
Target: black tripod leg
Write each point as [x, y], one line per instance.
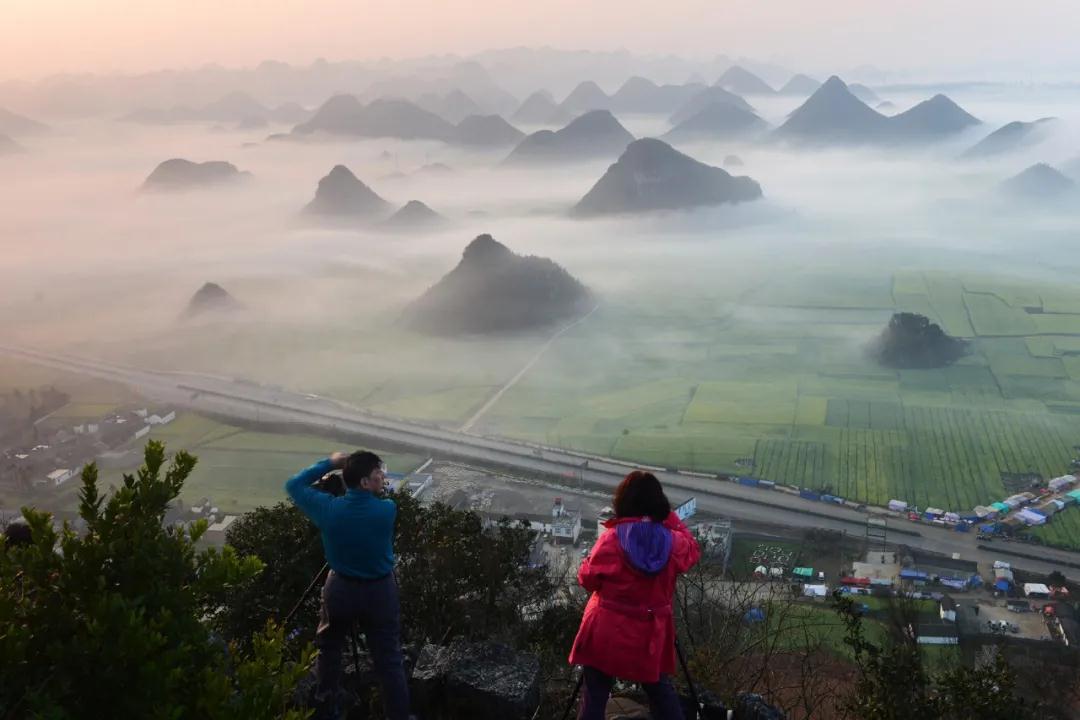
[573, 696]
[310, 587]
[689, 680]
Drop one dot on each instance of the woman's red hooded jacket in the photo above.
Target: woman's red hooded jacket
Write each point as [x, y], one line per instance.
[627, 630]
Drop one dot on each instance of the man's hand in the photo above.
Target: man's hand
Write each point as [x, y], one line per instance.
[339, 459]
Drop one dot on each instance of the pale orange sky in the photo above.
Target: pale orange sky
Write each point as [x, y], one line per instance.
[42, 37]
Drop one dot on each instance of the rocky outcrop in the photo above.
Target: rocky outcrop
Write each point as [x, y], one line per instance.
[494, 290]
[475, 680]
[651, 175]
[181, 174]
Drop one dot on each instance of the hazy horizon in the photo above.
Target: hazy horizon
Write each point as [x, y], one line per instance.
[960, 40]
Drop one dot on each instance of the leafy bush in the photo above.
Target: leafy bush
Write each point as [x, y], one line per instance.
[112, 622]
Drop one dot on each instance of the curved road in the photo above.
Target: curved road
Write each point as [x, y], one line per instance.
[245, 400]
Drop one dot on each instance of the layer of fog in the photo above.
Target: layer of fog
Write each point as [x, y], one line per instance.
[92, 264]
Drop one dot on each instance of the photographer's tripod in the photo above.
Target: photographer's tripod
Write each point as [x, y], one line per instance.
[686, 674]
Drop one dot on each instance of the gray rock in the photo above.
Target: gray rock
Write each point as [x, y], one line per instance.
[475, 680]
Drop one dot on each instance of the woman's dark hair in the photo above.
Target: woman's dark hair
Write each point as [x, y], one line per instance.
[359, 466]
[640, 495]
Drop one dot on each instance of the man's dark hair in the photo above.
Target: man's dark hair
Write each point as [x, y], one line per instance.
[640, 495]
[17, 534]
[359, 465]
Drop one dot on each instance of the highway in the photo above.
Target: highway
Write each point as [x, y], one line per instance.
[250, 401]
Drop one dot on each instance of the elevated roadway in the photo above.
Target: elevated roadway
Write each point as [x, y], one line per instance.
[251, 401]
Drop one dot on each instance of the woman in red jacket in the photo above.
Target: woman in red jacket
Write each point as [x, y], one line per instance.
[627, 630]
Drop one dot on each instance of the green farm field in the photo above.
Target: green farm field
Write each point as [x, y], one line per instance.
[777, 386]
[237, 469]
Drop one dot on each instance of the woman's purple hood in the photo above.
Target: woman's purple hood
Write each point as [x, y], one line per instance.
[646, 545]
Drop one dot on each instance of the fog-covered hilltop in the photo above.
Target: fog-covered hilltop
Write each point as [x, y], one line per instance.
[494, 290]
[651, 175]
[585, 97]
[595, 134]
[743, 82]
[1038, 182]
[453, 107]
[833, 115]
[346, 115]
[706, 98]
[9, 146]
[640, 95]
[414, 216]
[1010, 138]
[342, 194]
[181, 174]
[864, 93]
[15, 125]
[486, 131]
[800, 85]
[718, 122]
[540, 108]
[236, 107]
[210, 299]
[911, 341]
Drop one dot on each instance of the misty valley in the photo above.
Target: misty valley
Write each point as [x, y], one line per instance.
[669, 312]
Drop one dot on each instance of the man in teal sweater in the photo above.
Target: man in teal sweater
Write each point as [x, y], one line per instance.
[357, 533]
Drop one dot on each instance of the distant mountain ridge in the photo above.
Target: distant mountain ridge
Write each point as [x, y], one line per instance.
[414, 216]
[801, 85]
[718, 122]
[494, 290]
[236, 107]
[401, 119]
[1039, 182]
[833, 115]
[595, 134]
[181, 174]
[540, 108]
[587, 96]
[743, 82]
[9, 146]
[16, 126]
[640, 95]
[651, 175]
[705, 98]
[1010, 138]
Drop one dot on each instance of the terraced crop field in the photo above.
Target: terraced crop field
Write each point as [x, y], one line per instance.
[777, 385]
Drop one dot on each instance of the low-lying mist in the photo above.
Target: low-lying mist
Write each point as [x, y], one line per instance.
[91, 263]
